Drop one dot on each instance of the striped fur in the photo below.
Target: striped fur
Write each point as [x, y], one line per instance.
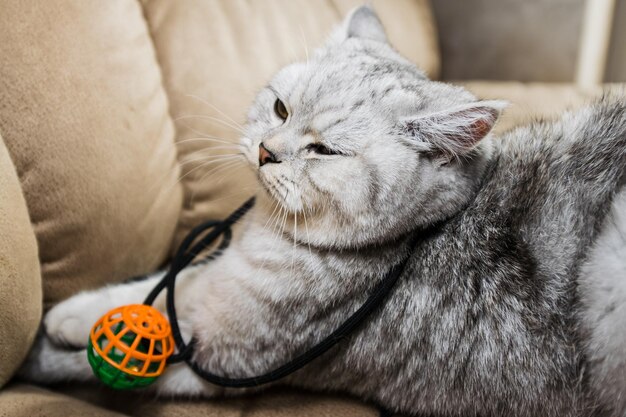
[512, 307]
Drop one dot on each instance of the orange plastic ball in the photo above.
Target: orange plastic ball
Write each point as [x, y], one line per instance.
[129, 346]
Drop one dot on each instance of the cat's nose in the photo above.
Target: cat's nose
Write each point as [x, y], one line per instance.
[265, 156]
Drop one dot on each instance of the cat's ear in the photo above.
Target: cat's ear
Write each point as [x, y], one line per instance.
[363, 23]
[456, 131]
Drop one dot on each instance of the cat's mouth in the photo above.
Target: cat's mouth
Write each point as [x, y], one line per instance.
[275, 189]
[283, 190]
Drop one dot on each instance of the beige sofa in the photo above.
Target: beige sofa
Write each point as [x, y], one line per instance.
[105, 108]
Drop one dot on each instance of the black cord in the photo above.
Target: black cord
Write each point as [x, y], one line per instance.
[385, 413]
[184, 256]
[374, 300]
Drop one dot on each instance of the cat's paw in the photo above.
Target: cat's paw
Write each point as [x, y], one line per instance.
[69, 323]
[48, 363]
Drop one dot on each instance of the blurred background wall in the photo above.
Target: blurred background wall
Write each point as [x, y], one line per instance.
[526, 40]
[616, 70]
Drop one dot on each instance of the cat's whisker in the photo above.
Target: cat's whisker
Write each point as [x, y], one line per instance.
[219, 162]
[274, 237]
[279, 226]
[211, 118]
[199, 132]
[226, 197]
[278, 223]
[295, 239]
[208, 139]
[284, 225]
[304, 43]
[294, 56]
[211, 148]
[215, 151]
[216, 109]
[186, 161]
[226, 166]
[275, 204]
[211, 158]
[228, 163]
[212, 153]
[206, 154]
[225, 174]
[306, 228]
[240, 192]
[199, 167]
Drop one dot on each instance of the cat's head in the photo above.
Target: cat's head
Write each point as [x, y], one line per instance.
[360, 142]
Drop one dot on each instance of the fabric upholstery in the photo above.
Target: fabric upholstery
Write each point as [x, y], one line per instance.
[87, 122]
[272, 403]
[88, 91]
[530, 101]
[84, 116]
[20, 279]
[215, 55]
[283, 404]
[29, 401]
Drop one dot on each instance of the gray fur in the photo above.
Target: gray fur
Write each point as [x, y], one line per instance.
[500, 311]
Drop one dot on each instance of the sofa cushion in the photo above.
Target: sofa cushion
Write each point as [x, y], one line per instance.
[20, 279]
[84, 116]
[530, 101]
[215, 55]
[276, 402]
[28, 401]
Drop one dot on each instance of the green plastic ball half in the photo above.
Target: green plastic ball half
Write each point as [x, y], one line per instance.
[112, 376]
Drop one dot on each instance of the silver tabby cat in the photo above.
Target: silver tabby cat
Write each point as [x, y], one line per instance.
[513, 301]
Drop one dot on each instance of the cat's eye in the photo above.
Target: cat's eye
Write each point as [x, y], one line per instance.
[281, 110]
[320, 149]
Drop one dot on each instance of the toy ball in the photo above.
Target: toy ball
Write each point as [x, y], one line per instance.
[129, 346]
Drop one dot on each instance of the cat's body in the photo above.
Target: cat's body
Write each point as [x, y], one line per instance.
[512, 303]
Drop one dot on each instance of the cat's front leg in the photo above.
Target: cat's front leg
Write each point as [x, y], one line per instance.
[49, 363]
[69, 322]
[58, 353]
[180, 380]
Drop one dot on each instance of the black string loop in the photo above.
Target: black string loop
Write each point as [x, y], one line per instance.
[185, 255]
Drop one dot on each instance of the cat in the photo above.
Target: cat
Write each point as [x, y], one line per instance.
[513, 299]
